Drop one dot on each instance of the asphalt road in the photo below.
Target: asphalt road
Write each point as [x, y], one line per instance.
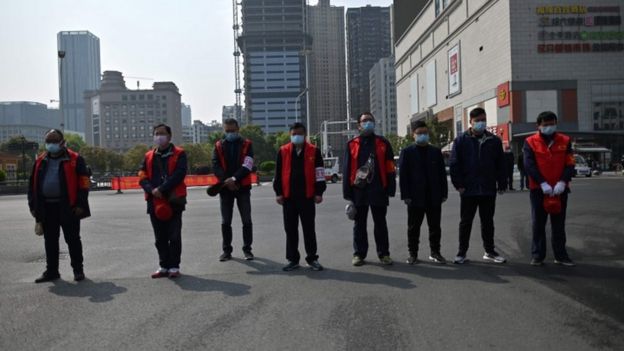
[242, 305]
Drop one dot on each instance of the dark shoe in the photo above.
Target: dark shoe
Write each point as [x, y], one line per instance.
[315, 266]
[79, 276]
[460, 258]
[565, 262]
[225, 257]
[435, 257]
[494, 257]
[47, 277]
[291, 266]
[248, 256]
[412, 259]
[160, 273]
[385, 260]
[537, 262]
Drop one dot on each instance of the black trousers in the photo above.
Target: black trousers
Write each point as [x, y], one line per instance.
[168, 240]
[243, 201]
[557, 222]
[360, 234]
[524, 180]
[510, 179]
[468, 208]
[52, 225]
[304, 209]
[415, 217]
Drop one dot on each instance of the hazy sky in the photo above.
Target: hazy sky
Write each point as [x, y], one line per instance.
[188, 42]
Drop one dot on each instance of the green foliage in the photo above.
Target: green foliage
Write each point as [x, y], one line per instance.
[398, 143]
[267, 166]
[440, 133]
[74, 142]
[133, 158]
[263, 151]
[2, 176]
[198, 155]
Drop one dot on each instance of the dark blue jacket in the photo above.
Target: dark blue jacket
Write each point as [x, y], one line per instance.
[167, 182]
[374, 194]
[478, 164]
[422, 179]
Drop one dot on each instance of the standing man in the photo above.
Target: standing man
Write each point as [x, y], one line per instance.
[477, 169]
[524, 180]
[162, 178]
[510, 161]
[370, 179]
[58, 198]
[549, 162]
[232, 163]
[299, 185]
[423, 184]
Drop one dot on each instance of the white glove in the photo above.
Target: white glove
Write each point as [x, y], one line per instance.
[560, 187]
[547, 189]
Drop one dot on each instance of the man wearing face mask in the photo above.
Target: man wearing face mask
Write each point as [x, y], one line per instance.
[299, 185]
[58, 198]
[371, 189]
[232, 163]
[423, 184]
[477, 166]
[549, 162]
[162, 178]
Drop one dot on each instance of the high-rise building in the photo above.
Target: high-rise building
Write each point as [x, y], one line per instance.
[328, 82]
[187, 124]
[79, 71]
[383, 103]
[368, 40]
[233, 111]
[202, 131]
[119, 118]
[28, 119]
[272, 42]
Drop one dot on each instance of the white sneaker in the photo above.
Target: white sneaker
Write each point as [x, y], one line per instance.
[494, 257]
[460, 259]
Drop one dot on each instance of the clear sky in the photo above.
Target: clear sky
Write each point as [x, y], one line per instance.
[188, 42]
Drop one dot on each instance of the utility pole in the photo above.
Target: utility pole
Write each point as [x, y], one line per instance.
[61, 56]
[237, 75]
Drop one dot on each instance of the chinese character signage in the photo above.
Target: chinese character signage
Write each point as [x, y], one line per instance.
[502, 95]
[454, 71]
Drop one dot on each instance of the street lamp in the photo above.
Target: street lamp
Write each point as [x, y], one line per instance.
[61, 56]
[297, 103]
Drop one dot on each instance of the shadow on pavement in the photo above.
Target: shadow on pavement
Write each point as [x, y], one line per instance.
[193, 283]
[264, 266]
[96, 292]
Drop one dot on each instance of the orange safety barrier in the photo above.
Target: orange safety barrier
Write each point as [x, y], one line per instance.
[124, 183]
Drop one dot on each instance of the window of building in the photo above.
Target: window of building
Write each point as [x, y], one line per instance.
[150, 97]
[124, 98]
[441, 5]
[133, 97]
[141, 97]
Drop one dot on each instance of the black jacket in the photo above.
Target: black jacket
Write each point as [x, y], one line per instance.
[478, 165]
[35, 200]
[231, 151]
[422, 180]
[165, 183]
[297, 175]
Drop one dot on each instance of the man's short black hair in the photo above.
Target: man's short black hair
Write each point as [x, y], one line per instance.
[298, 125]
[366, 113]
[477, 112]
[546, 116]
[167, 128]
[419, 124]
[231, 121]
[55, 131]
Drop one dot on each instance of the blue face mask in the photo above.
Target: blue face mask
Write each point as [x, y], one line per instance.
[479, 127]
[422, 139]
[368, 127]
[232, 136]
[297, 139]
[53, 147]
[548, 130]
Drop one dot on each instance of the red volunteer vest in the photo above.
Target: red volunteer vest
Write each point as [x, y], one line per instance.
[384, 166]
[309, 162]
[551, 161]
[180, 189]
[73, 181]
[244, 150]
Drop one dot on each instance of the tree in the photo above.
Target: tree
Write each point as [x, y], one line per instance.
[74, 142]
[214, 137]
[439, 132]
[2, 176]
[133, 158]
[398, 143]
[263, 151]
[198, 156]
[280, 139]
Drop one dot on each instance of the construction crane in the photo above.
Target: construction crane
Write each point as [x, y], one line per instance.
[237, 75]
[138, 82]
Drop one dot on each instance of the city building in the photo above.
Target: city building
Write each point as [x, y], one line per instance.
[201, 131]
[233, 111]
[26, 118]
[328, 81]
[383, 95]
[79, 71]
[187, 124]
[516, 59]
[368, 40]
[120, 118]
[272, 43]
